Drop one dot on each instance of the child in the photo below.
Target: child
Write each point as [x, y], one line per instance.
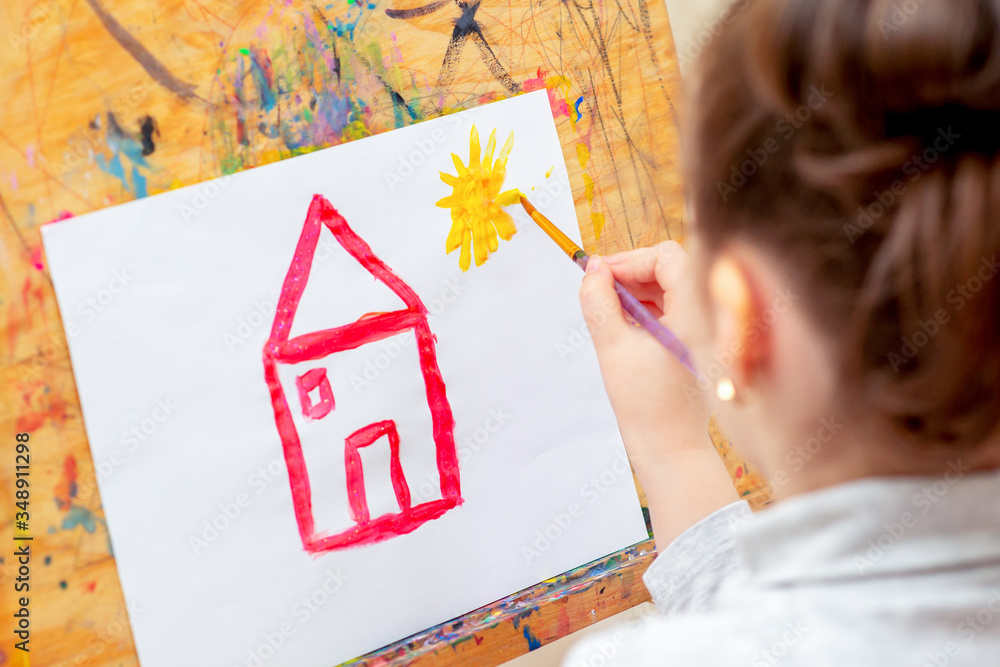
[842, 301]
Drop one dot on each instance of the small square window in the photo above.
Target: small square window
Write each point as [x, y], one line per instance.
[309, 382]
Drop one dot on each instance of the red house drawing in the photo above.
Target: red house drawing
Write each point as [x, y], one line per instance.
[316, 346]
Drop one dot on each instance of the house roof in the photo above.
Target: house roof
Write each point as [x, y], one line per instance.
[369, 328]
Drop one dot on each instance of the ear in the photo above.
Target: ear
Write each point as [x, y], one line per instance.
[740, 341]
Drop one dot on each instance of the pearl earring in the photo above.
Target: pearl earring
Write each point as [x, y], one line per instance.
[725, 389]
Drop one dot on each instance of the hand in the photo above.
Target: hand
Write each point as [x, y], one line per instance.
[651, 392]
[662, 412]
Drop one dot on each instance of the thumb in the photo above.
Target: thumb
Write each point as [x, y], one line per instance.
[601, 308]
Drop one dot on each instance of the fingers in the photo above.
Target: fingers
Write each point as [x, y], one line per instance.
[651, 274]
[649, 266]
[672, 262]
[634, 267]
[601, 309]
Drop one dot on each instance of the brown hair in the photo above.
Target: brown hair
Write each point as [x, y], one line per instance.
[858, 142]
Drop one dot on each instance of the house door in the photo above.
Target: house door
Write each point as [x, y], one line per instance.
[380, 432]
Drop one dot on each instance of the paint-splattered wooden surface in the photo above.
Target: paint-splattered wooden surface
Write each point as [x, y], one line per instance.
[102, 101]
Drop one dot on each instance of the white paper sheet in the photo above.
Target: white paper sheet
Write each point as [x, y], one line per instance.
[168, 303]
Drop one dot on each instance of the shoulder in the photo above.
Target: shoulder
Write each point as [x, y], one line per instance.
[760, 635]
[713, 638]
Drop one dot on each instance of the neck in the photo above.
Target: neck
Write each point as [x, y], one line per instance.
[840, 452]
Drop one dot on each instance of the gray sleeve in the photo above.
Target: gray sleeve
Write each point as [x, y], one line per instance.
[686, 576]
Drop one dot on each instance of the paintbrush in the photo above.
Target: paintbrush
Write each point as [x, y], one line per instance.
[630, 304]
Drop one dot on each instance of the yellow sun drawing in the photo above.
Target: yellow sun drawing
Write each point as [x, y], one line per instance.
[476, 203]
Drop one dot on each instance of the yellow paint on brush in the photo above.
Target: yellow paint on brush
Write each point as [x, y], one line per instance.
[476, 202]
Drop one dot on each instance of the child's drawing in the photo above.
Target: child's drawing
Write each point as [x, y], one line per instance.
[313, 396]
[476, 203]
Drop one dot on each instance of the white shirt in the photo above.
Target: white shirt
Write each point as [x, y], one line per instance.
[878, 572]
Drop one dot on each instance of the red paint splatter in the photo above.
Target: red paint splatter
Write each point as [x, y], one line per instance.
[36, 259]
[40, 406]
[241, 127]
[29, 292]
[66, 488]
[563, 625]
[739, 472]
[479, 640]
[263, 61]
[535, 84]
[91, 586]
[491, 96]
[27, 423]
[556, 103]
[317, 345]
[63, 215]
[36, 292]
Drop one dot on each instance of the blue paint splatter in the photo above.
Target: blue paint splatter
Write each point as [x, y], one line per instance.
[79, 516]
[120, 142]
[523, 615]
[115, 168]
[533, 641]
[130, 147]
[264, 89]
[576, 108]
[347, 27]
[138, 183]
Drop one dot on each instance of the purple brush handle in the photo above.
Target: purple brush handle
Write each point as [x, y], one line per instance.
[647, 320]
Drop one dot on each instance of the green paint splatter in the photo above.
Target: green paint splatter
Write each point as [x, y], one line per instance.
[356, 130]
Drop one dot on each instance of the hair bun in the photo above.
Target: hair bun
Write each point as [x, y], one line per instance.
[884, 200]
